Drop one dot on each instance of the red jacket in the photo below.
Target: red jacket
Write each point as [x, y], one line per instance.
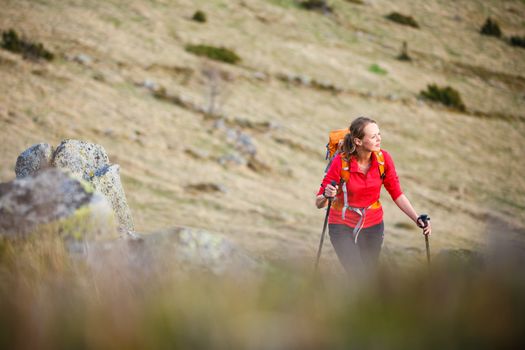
[363, 190]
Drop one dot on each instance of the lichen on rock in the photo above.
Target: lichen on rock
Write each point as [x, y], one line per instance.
[53, 199]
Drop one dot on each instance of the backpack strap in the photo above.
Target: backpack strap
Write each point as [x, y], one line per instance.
[345, 176]
[362, 214]
[381, 162]
[345, 168]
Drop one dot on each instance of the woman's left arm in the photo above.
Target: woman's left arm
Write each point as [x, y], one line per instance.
[406, 207]
[393, 187]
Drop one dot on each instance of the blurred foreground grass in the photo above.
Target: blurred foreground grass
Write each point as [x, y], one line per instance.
[49, 300]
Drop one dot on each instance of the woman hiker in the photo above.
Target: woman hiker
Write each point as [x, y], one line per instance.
[355, 220]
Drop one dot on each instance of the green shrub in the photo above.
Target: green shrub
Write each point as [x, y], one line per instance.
[402, 19]
[215, 53]
[319, 5]
[199, 16]
[375, 68]
[444, 95]
[11, 42]
[491, 28]
[517, 41]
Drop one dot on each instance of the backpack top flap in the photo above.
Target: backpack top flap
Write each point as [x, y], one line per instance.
[335, 141]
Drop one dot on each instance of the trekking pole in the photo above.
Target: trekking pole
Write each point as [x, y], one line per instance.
[333, 183]
[425, 218]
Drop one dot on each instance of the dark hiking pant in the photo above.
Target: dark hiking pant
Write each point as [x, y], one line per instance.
[361, 258]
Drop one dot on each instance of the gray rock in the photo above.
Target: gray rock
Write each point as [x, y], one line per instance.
[242, 141]
[107, 181]
[150, 85]
[83, 59]
[246, 144]
[90, 162]
[86, 161]
[392, 97]
[208, 250]
[231, 135]
[52, 200]
[260, 76]
[303, 80]
[220, 124]
[273, 125]
[175, 250]
[82, 158]
[33, 159]
[201, 109]
[232, 158]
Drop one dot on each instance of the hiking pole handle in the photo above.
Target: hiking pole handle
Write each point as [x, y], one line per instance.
[425, 218]
[333, 183]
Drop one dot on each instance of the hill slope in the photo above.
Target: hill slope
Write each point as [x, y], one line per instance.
[464, 169]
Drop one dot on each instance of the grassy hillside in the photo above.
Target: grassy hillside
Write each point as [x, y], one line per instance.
[463, 168]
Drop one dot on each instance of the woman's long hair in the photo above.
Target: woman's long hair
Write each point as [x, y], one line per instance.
[357, 130]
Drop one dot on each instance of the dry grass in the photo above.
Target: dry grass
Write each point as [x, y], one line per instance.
[454, 166]
[48, 300]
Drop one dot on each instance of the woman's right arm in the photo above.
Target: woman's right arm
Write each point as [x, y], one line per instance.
[333, 174]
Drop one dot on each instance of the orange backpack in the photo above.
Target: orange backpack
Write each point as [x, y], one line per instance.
[333, 148]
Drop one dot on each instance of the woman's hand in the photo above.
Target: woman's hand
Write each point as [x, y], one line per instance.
[330, 191]
[423, 221]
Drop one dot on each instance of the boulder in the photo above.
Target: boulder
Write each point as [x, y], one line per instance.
[177, 250]
[82, 158]
[107, 181]
[52, 200]
[33, 159]
[204, 249]
[90, 162]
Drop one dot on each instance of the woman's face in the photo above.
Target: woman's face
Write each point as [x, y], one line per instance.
[371, 142]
